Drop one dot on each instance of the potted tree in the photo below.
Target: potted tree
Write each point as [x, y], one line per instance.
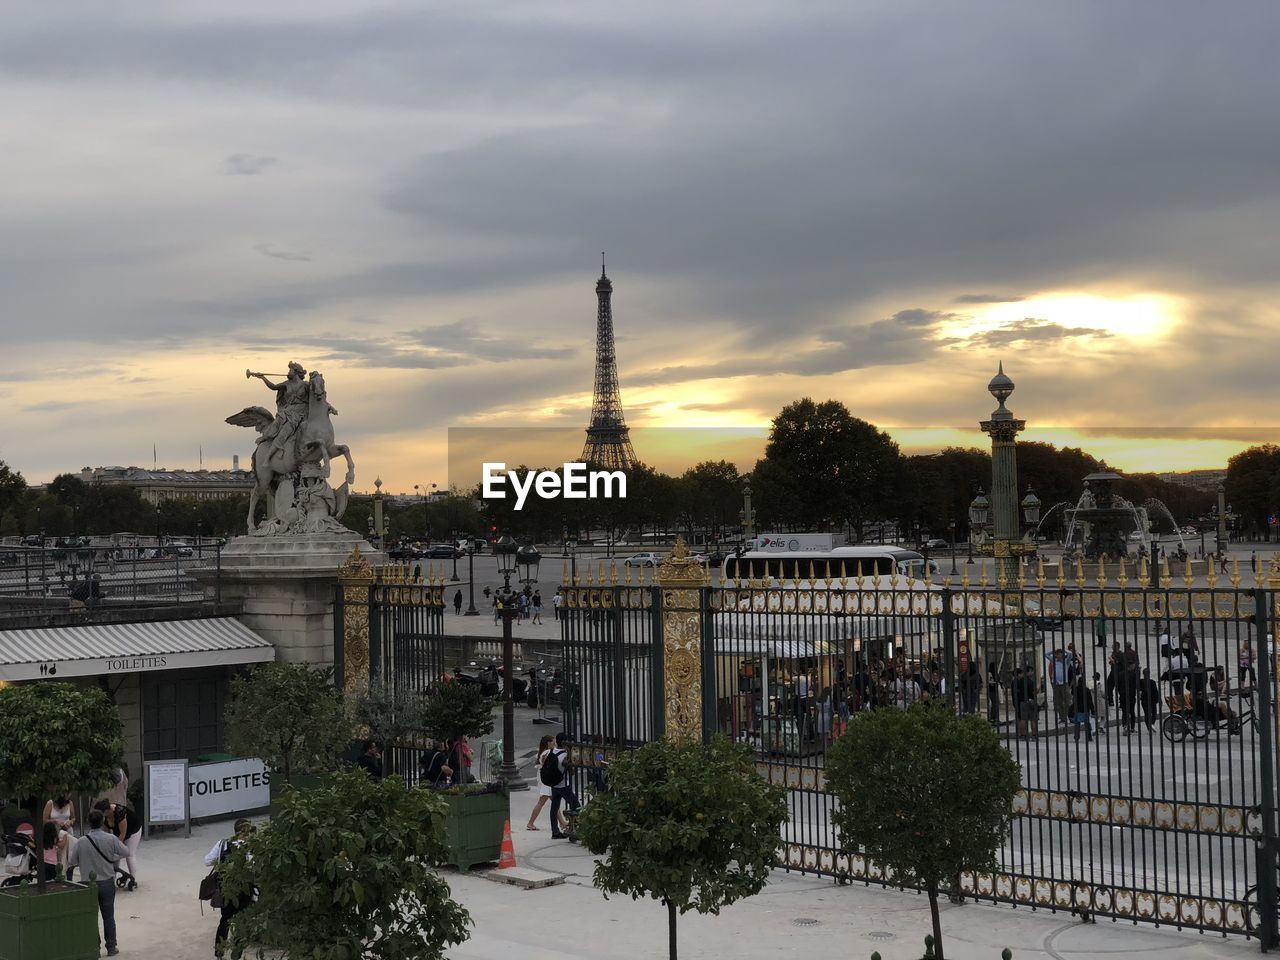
[292, 718]
[692, 825]
[476, 812]
[55, 736]
[346, 870]
[390, 717]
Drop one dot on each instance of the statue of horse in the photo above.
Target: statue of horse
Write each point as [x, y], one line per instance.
[274, 466]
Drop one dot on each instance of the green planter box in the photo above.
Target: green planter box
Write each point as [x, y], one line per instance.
[60, 925]
[473, 827]
[299, 781]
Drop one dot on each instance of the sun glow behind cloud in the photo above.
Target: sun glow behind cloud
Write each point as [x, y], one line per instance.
[1138, 316]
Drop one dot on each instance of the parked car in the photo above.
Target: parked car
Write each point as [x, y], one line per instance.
[646, 559]
[937, 543]
[438, 550]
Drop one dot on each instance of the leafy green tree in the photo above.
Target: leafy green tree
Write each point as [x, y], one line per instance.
[347, 872]
[391, 716]
[450, 710]
[692, 825]
[924, 793]
[825, 467]
[57, 737]
[13, 489]
[1251, 483]
[290, 716]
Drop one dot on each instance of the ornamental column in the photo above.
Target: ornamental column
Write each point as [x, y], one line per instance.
[681, 579]
[1003, 428]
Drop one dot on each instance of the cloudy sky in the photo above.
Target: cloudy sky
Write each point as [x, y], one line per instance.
[872, 201]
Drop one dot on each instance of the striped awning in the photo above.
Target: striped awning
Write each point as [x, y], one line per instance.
[116, 648]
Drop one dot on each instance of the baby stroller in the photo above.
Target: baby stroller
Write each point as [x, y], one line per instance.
[19, 859]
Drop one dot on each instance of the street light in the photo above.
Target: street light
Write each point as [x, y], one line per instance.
[1031, 507]
[471, 579]
[509, 555]
[979, 508]
[953, 547]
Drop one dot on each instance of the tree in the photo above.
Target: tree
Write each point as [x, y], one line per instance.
[13, 488]
[390, 715]
[924, 793]
[692, 825]
[290, 716]
[824, 466]
[347, 872]
[57, 737]
[451, 710]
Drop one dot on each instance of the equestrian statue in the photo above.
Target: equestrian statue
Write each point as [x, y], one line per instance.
[293, 456]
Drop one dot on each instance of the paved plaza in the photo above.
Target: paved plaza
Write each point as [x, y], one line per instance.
[794, 916]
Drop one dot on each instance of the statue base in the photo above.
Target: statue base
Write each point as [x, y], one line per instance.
[284, 586]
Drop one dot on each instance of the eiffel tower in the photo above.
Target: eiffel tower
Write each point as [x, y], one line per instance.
[608, 441]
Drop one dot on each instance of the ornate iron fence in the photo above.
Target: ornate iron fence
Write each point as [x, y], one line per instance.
[1141, 712]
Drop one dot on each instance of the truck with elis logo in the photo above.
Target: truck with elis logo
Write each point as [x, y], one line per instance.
[791, 543]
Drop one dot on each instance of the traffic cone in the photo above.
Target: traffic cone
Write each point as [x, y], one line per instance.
[508, 855]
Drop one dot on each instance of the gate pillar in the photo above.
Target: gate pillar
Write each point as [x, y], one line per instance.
[351, 623]
[681, 579]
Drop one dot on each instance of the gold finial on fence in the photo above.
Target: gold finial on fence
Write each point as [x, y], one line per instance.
[564, 576]
[1040, 578]
[1102, 572]
[626, 574]
[844, 575]
[910, 577]
[813, 574]
[1079, 573]
[613, 573]
[1187, 575]
[1022, 573]
[964, 578]
[983, 582]
[858, 575]
[1002, 577]
[1144, 572]
[827, 573]
[1122, 576]
[1165, 579]
[1211, 574]
[1235, 572]
[751, 573]
[893, 576]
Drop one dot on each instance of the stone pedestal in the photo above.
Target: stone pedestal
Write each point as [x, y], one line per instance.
[284, 586]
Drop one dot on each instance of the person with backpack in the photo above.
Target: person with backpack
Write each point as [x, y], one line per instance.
[555, 774]
[544, 789]
[96, 856]
[434, 766]
[228, 907]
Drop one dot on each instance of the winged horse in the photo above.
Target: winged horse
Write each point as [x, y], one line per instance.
[312, 443]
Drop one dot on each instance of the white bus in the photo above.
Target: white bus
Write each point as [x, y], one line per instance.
[873, 560]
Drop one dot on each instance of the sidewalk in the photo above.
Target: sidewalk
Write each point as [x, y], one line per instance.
[794, 916]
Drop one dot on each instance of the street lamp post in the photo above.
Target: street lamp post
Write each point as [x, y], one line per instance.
[979, 509]
[471, 579]
[509, 557]
[453, 539]
[953, 548]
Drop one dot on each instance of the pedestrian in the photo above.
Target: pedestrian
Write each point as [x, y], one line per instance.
[97, 855]
[497, 607]
[1101, 699]
[1245, 660]
[1149, 697]
[119, 792]
[55, 843]
[993, 695]
[1253, 560]
[460, 760]
[544, 790]
[127, 825]
[230, 906]
[1100, 631]
[62, 813]
[537, 606]
[434, 769]
[1059, 676]
[562, 792]
[1082, 708]
[457, 601]
[1024, 697]
[556, 601]
[370, 760]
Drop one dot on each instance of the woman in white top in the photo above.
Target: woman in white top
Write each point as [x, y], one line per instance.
[61, 812]
[544, 792]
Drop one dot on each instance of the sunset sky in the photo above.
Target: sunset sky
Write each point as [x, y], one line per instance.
[868, 201]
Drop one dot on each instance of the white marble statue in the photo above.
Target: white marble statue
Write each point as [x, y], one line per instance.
[292, 460]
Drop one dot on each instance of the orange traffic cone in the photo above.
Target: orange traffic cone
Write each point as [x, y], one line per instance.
[508, 856]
